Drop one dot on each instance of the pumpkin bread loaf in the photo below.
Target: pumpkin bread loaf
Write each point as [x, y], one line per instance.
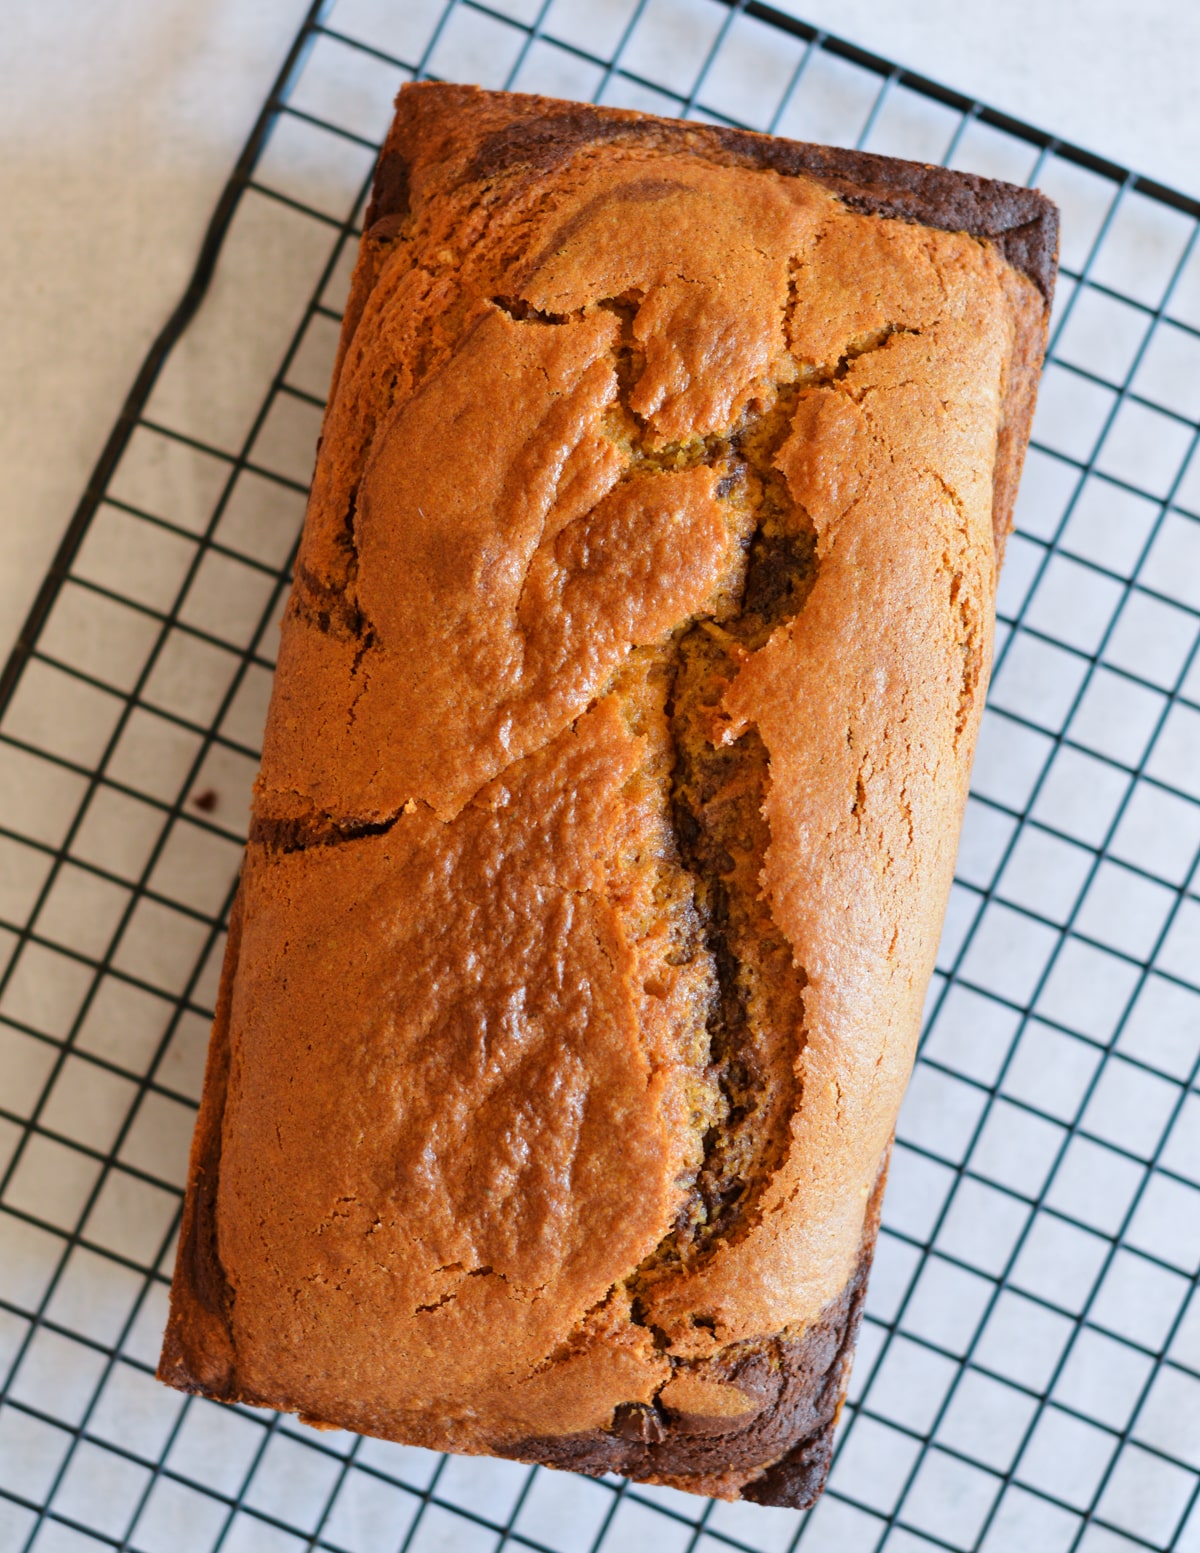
[611, 787]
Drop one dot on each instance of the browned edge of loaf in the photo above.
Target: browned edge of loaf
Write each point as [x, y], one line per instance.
[1021, 222]
[198, 1354]
[799, 1383]
[801, 1379]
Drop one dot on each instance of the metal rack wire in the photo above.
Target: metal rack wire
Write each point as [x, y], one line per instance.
[1029, 1373]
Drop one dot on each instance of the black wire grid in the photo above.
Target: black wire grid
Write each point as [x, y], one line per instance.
[1029, 1373]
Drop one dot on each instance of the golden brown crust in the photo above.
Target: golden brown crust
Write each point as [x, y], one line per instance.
[619, 743]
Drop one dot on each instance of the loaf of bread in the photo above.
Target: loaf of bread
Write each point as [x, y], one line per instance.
[611, 787]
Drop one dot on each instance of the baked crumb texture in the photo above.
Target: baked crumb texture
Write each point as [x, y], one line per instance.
[611, 788]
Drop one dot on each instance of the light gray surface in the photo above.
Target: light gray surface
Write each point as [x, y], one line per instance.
[119, 123]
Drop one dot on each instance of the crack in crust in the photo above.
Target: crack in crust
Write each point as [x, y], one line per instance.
[755, 1019]
[315, 830]
[779, 561]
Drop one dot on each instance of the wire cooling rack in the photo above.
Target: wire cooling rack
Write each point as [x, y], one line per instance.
[1029, 1372]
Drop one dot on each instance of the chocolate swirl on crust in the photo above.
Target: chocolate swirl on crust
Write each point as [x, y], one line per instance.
[793, 1387]
[1022, 223]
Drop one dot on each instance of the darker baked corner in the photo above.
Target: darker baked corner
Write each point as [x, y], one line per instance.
[784, 1451]
[1022, 223]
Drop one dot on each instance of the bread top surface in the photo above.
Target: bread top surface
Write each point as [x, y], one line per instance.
[481, 1163]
